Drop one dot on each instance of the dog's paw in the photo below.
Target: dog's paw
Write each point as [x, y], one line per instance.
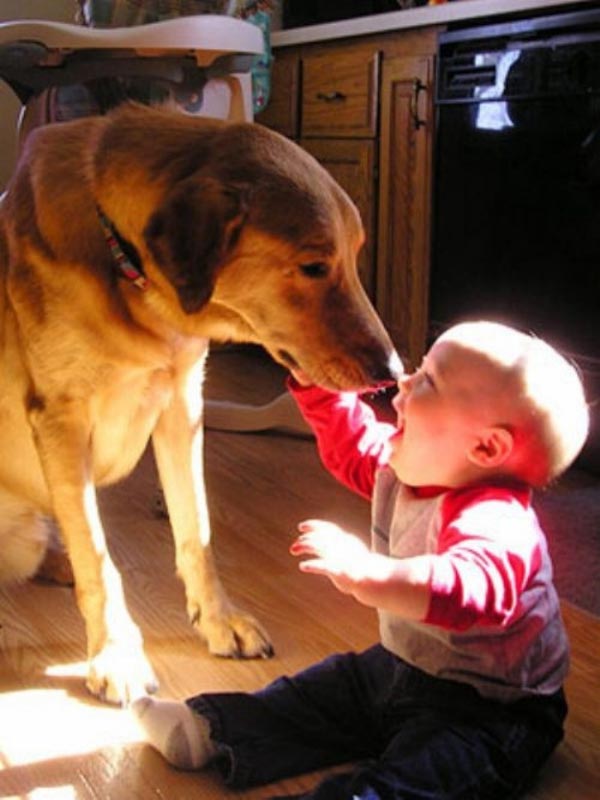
[120, 674]
[236, 635]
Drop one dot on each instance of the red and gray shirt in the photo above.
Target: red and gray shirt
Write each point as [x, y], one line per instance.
[494, 616]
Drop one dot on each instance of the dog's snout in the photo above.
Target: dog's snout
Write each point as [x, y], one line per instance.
[388, 370]
[287, 359]
[395, 366]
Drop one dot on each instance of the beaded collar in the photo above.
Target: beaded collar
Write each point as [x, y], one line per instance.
[123, 253]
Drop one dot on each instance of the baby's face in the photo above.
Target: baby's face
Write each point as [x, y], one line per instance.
[442, 408]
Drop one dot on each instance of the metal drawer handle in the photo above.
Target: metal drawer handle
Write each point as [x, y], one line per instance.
[418, 87]
[331, 97]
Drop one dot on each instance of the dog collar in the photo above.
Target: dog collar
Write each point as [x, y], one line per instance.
[117, 246]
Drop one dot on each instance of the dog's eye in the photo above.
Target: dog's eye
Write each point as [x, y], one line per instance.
[316, 270]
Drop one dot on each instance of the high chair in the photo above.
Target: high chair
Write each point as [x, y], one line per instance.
[205, 57]
[204, 61]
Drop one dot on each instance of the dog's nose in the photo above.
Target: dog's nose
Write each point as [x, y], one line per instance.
[395, 365]
[388, 371]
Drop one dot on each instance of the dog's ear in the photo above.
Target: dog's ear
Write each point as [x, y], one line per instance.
[191, 233]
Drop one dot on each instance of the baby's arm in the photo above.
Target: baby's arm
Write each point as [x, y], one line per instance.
[394, 584]
[488, 551]
[352, 443]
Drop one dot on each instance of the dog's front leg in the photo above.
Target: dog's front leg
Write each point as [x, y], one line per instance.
[178, 446]
[118, 669]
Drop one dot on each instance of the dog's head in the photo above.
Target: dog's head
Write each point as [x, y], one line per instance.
[250, 228]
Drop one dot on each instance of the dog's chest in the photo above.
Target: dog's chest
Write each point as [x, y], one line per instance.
[123, 416]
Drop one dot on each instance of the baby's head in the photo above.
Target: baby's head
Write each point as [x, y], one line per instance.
[496, 403]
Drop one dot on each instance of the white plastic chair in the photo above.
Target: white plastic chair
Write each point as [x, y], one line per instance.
[210, 54]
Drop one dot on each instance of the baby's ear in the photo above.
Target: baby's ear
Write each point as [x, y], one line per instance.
[492, 448]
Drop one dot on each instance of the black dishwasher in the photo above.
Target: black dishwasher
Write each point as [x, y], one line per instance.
[516, 220]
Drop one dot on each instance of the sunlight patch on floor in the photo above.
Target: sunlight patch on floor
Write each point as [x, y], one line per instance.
[41, 724]
[66, 792]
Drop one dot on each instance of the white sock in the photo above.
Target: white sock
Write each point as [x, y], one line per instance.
[179, 735]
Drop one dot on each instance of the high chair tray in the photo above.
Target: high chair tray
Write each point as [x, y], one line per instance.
[206, 32]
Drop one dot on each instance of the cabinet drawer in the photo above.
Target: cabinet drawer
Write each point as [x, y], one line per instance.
[339, 96]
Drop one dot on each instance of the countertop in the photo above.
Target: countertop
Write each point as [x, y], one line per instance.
[458, 11]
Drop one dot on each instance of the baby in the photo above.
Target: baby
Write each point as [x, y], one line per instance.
[462, 697]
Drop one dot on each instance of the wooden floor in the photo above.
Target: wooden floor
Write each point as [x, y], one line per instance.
[58, 742]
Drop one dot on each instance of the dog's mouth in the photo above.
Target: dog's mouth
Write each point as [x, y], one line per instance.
[333, 375]
[288, 360]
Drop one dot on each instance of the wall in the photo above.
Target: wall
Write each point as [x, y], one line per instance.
[58, 10]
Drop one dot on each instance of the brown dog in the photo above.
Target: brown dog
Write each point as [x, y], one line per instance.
[233, 233]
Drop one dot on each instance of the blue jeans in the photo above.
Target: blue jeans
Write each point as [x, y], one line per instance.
[411, 735]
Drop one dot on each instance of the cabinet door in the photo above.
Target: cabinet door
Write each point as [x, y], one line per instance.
[281, 113]
[405, 201]
[351, 163]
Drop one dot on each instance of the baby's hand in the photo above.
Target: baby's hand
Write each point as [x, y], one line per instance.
[337, 554]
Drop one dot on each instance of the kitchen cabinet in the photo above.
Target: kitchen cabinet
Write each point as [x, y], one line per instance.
[282, 111]
[339, 93]
[403, 232]
[363, 107]
[352, 164]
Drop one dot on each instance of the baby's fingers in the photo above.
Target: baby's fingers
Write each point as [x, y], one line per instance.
[315, 566]
[318, 526]
[302, 546]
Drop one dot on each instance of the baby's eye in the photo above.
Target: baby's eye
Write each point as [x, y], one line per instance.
[424, 378]
[425, 373]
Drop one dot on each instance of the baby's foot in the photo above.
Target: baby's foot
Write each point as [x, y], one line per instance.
[179, 735]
